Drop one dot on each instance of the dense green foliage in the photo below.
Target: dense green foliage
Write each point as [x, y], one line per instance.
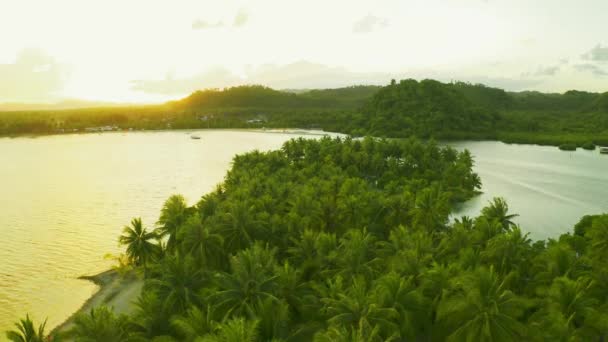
[350, 240]
[567, 147]
[212, 108]
[407, 108]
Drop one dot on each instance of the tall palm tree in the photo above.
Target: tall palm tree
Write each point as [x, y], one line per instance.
[99, 325]
[26, 332]
[251, 280]
[569, 312]
[356, 306]
[177, 283]
[598, 234]
[499, 210]
[195, 324]
[235, 330]
[138, 240]
[202, 242]
[151, 317]
[400, 293]
[482, 308]
[432, 209]
[173, 214]
[509, 251]
[273, 319]
[364, 332]
[239, 227]
[357, 255]
[572, 298]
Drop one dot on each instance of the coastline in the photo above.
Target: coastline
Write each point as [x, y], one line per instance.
[115, 290]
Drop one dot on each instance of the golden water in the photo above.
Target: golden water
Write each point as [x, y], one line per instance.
[64, 200]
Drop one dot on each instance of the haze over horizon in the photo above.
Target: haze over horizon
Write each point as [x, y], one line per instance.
[142, 51]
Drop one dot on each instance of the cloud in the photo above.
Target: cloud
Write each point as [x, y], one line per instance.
[597, 54]
[592, 68]
[298, 75]
[204, 25]
[369, 23]
[308, 75]
[34, 76]
[543, 71]
[240, 19]
[212, 78]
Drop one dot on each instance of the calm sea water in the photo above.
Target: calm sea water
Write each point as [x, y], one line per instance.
[550, 189]
[64, 199]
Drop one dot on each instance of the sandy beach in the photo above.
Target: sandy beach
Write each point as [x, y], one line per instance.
[116, 291]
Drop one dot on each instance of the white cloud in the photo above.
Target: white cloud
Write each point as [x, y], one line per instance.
[369, 23]
[598, 54]
[203, 25]
[34, 76]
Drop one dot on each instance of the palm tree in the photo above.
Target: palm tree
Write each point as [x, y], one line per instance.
[251, 280]
[99, 325]
[177, 283]
[235, 330]
[273, 319]
[357, 306]
[482, 308]
[432, 209]
[195, 324]
[364, 332]
[357, 255]
[598, 234]
[151, 317]
[201, 242]
[26, 332]
[571, 298]
[140, 249]
[499, 210]
[559, 259]
[400, 293]
[239, 227]
[569, 312]
[509, 251]
[296, 291]
[173, 214]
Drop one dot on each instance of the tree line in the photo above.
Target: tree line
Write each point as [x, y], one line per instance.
[406, 108]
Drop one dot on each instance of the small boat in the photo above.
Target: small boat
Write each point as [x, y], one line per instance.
[196, 137]
[604, 150]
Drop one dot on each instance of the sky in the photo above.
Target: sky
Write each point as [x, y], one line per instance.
[153, 51]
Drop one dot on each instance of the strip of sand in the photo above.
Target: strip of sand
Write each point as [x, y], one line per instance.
[116, 291]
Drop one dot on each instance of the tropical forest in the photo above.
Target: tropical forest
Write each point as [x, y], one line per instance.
[349, 239]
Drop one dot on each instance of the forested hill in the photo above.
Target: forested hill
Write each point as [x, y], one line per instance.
[426, 108]
[257, 96]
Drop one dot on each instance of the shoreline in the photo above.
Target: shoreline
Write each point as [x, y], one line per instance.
[115, 290]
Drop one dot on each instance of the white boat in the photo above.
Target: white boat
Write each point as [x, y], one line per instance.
[196, 137]
[604, 150]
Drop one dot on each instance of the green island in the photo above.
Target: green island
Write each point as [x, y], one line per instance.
[425, 109]
[350, 239]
